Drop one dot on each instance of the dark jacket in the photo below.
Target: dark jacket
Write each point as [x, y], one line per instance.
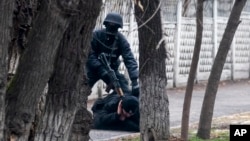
[106, 117]
[121, 47]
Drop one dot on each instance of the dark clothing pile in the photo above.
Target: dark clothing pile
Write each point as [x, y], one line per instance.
[106, 117]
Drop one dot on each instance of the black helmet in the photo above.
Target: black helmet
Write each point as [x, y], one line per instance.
[114, 18]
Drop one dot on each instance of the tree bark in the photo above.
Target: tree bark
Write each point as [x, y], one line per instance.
[206, 116]
[192, 73]
[24, 12]
[185, 7]
[6, 8]
[67, 88]
[81, 126]
[154, 105]
[35, 67]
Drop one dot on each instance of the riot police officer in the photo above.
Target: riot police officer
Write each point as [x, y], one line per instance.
[113, 44]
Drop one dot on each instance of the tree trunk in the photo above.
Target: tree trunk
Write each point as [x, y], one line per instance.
[35, 67]
[192, 73]
[81, 126]
[24, 12]
[6, 8]
[154, 105]
[206, 116]
[185, 7]
[67, 91]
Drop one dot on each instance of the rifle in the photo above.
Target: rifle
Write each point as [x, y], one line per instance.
[111, 73]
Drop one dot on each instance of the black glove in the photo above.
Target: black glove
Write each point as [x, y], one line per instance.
[135, 88]
[104, 74]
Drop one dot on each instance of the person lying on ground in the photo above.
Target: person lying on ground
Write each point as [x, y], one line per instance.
[116, 113]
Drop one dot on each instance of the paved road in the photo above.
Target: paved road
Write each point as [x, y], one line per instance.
[232, 98]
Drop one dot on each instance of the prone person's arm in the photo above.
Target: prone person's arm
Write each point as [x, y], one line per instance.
[107, 118]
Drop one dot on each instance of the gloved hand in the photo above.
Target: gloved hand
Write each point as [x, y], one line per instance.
[104, 74]
[135, 88]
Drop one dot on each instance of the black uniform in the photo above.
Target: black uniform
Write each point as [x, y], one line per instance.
[106, 117]
[113, 47]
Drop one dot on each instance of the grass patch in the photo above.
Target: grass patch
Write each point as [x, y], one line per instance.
[216, 135]
[219, 130]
